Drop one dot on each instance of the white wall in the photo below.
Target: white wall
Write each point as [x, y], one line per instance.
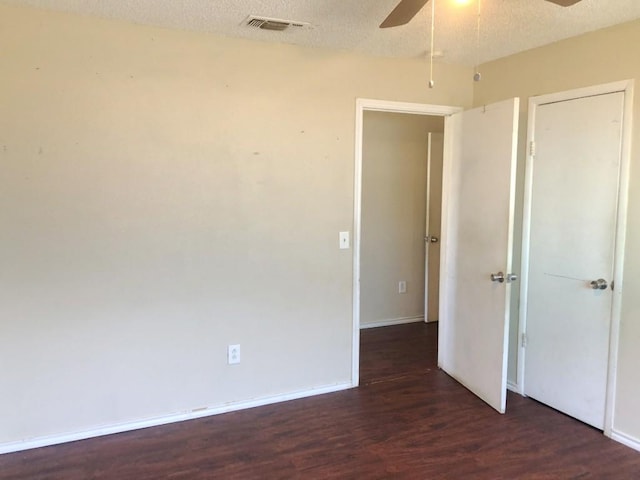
[596, 58]
[164, 194]
[394, 174]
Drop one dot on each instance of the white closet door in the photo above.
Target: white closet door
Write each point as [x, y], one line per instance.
[575, 178]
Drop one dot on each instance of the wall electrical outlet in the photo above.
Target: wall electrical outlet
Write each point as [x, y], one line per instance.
[233, 354]
[402, 286]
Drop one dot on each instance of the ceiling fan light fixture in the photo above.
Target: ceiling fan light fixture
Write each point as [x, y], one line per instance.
[564, 3]
[407, 9]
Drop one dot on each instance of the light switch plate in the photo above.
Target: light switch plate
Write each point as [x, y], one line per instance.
[344, 240]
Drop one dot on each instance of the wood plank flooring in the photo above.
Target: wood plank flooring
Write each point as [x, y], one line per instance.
[408, 420]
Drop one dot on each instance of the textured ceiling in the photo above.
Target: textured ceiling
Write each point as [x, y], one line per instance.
[508, 26]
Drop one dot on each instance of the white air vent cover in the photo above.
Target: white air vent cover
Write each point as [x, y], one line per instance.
[276, 24]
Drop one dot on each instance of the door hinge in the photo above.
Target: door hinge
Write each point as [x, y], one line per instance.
[532, 148]
[525, 340]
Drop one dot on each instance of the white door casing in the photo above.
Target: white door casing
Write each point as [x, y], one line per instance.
[477, 239]
[363, 104]
[626, 86]
[572, 238]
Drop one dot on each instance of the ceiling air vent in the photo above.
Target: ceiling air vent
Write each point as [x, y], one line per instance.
[275, 24]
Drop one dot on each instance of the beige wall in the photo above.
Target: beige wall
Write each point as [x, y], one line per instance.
[605, 56]
[164, 194]
[394, 174]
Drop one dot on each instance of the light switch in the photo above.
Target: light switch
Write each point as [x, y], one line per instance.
[344, 240]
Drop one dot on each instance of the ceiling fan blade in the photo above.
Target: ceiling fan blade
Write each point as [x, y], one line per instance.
[564, 3]
[403, 13]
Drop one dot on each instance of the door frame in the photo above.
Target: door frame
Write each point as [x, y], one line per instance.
[362, 105]
[625, 86]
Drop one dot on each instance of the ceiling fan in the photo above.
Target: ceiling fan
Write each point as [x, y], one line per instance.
[407, 9]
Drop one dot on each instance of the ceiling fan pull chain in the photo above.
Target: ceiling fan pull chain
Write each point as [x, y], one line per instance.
[477, 76]
[433, 27]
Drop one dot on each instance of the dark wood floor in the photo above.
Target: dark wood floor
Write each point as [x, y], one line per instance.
[407, 420]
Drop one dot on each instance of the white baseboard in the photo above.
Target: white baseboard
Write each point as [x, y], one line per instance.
[392, 321]
[625, 439]
[514, 387]
[177, 417]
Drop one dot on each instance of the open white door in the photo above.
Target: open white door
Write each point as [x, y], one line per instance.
[432, 227]
[427, 237]
[477, 241]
